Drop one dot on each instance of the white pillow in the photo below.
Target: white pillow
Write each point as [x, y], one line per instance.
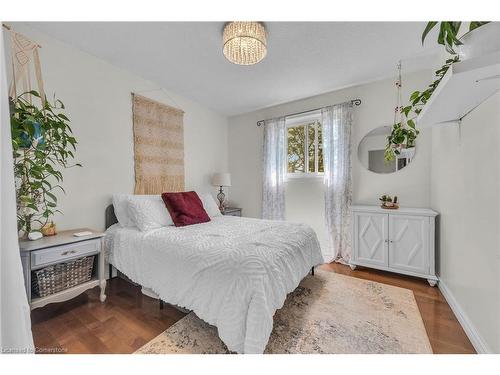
[121, 205]
[209, 204]
[149, 214]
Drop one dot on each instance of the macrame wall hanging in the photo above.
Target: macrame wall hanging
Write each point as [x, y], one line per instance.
[158, 147]
[25, 63]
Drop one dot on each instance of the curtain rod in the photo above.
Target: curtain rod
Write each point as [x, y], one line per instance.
[8, 28]
[356, 102]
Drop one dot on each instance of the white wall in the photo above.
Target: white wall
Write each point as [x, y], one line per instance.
[465, 187]
[304, 198]
[97, 96]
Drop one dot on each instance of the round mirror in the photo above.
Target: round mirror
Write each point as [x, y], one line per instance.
[371, 152]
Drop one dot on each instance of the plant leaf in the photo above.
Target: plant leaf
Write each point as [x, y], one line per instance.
[429, 27]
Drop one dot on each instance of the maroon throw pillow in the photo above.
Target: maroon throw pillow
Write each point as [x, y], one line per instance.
[185, 208]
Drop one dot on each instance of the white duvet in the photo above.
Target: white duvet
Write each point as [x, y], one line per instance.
[234, 273]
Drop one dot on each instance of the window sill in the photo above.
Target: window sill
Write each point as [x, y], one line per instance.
[305, 176]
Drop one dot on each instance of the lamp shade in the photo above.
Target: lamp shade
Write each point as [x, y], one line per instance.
[221, 179]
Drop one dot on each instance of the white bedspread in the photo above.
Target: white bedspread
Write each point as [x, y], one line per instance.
[234, 273]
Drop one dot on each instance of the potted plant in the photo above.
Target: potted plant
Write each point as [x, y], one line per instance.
[405, 132]
[480, 39]
[389, 202]
[42, 143]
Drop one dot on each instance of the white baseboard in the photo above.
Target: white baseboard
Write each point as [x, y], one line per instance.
[470, 330]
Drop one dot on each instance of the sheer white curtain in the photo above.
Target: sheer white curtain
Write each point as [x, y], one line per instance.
[336, 121]
[273, 189]
[15, 325]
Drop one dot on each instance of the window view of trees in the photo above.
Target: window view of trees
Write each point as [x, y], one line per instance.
[302, 150]
[296, 146]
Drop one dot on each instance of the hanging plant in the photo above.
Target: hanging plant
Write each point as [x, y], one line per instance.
[42, 143]
[404, 133]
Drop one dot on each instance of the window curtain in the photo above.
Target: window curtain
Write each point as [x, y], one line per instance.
[15, 325]
[336, 121]
[273, 190]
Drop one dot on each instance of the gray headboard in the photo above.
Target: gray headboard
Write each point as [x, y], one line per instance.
[109, 216]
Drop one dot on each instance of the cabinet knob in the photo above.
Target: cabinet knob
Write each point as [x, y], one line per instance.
[386, 240]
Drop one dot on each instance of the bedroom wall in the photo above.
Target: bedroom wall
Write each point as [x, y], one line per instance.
[465, 187]
[97, 96]
[304, 197]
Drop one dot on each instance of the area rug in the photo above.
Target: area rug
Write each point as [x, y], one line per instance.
[327, 313]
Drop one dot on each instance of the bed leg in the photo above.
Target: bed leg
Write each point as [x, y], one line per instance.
[161, 304]
[312, 271]
[110, 271]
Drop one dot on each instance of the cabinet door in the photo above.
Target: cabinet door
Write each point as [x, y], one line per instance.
[409, 243]
[370, 238]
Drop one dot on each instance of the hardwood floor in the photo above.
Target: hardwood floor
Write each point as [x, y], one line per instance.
[443, 329]
[128, 319]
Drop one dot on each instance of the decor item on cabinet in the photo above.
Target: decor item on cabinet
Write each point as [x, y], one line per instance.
[388, 202]
[159, 131]
[49, 229]
[221, 180]
[245, 43]
[58, 268]
[34, 235]
[400, 241]
[404, 132]
[371, 152]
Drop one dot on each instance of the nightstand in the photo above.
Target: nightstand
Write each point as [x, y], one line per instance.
[232, 211]
[64, 247]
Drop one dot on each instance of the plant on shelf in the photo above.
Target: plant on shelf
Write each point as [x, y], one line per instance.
[388, 201]
[405, 132]
[448, 31]
[42, 143]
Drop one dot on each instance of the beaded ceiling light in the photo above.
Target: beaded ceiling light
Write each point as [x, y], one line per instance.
[244, 42]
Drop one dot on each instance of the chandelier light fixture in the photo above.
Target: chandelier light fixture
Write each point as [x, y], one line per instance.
[244, 42]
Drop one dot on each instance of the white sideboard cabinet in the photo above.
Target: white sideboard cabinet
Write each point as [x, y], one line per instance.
[399, 240]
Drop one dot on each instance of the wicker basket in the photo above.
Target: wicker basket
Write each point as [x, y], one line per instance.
[61, 276]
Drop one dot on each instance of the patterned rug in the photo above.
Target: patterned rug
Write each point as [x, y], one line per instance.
[327, 313]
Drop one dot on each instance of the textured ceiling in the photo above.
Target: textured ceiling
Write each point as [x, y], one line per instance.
[303, 59]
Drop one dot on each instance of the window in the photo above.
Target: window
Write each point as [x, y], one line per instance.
[304, 147]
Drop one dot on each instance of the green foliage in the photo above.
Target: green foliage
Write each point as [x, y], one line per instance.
[296, 139]
[448, 31]
[296, 143]
[405, 133]
[42, 144]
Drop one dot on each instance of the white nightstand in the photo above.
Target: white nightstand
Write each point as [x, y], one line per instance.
[62, 248]
[232, 211]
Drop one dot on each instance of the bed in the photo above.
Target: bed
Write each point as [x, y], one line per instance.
[233, 272]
